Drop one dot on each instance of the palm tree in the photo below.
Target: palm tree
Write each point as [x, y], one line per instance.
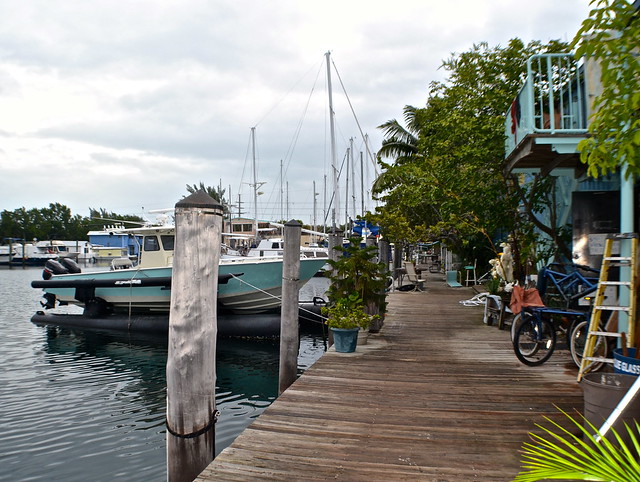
[216, 193]
[400, 144]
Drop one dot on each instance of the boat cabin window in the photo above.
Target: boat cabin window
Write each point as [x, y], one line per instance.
[167, 242]
[151, 243]
[275, 245]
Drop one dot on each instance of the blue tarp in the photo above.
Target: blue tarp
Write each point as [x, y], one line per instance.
[359, 226]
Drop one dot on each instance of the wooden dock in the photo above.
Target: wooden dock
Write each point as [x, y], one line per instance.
[436, 395]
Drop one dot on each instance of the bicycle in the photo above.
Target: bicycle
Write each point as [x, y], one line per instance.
[536, 337]
[567, 291]
[534, 329]
[602, 347]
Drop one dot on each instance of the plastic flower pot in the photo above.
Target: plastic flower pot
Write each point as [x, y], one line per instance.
[345, 340]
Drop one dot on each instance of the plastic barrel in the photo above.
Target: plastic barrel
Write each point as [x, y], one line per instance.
[626, 364]
[602, 393]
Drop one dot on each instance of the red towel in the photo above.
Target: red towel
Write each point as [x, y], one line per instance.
[521, 298]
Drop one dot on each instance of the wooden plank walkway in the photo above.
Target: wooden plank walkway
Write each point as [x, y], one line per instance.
[436, 395]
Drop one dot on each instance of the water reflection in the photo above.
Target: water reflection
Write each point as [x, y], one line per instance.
[247, 373]
[90, 405]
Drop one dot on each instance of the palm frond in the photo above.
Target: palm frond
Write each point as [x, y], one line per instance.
[562, 455]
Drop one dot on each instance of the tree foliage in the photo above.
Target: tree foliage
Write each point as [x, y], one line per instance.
[446, 178]
[52, 222]
[216, 193]
[611, 36]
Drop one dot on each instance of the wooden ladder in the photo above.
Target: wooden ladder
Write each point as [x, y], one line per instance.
[598, 306]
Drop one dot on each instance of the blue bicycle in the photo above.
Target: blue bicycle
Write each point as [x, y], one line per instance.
[535, 328]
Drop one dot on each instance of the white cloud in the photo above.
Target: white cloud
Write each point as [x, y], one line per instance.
[121, 105]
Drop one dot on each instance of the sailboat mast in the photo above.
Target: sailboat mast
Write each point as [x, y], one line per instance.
[324, 205]
[281, 195]
[315, 195]
[346, 192]
[334, 167]
[362, 182]
[353, 180]
[255, 182]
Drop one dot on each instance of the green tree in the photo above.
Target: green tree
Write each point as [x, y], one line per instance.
[216, 193]
[99, 216]
[611, 36]
[452, 187]
[54, 222]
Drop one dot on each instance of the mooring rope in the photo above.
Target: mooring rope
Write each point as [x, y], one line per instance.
[279, 298]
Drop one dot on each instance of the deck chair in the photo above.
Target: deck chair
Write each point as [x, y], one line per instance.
[412, 276]
[452, 279]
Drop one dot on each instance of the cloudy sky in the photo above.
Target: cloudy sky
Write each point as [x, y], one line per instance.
[120, 105]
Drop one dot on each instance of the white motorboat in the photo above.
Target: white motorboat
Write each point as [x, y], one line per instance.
[247, 285]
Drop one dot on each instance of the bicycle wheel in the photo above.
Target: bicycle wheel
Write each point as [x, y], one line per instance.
[535, 341]
[577, 341]
[515, 324]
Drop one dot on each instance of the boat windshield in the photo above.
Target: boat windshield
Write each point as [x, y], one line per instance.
[167, 242]
[151, 243]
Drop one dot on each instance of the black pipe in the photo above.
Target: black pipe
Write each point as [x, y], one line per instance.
[115, 283]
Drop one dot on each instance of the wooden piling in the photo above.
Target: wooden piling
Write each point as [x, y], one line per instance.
[383, 253]
[289, 330]
[335, 239]
[191, 370]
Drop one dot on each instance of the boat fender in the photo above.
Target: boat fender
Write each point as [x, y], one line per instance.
[71, 265]
[52, 267]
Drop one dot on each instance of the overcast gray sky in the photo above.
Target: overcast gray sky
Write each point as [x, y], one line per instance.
[119, 105]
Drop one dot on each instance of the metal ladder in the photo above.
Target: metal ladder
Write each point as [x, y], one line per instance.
[599, 307]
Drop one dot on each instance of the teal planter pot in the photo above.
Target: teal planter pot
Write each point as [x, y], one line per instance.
[345, 339]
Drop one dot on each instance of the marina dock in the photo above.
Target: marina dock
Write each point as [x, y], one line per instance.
[436, 395]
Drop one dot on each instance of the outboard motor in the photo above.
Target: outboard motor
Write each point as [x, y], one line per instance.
[52, 267]
[71, 265]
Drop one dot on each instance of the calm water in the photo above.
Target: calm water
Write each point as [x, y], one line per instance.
[88, 405]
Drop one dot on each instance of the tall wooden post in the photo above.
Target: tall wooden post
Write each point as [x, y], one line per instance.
[191, 360]
[335, 239]
[383, 253]
[289, 330]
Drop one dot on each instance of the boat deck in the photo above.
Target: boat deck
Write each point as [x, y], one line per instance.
[436, 395]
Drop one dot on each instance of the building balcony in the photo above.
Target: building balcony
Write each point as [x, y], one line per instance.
[549, 117]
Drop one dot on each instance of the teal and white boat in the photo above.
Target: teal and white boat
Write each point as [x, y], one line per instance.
[247, 285]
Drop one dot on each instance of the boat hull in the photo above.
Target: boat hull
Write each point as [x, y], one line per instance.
[253, 287]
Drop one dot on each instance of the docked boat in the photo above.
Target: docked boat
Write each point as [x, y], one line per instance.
[9, 254]
[274, 247]
[39, 252]
[247, 285]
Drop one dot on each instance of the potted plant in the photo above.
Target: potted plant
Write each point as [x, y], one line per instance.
[346, 316]
[357, 273]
